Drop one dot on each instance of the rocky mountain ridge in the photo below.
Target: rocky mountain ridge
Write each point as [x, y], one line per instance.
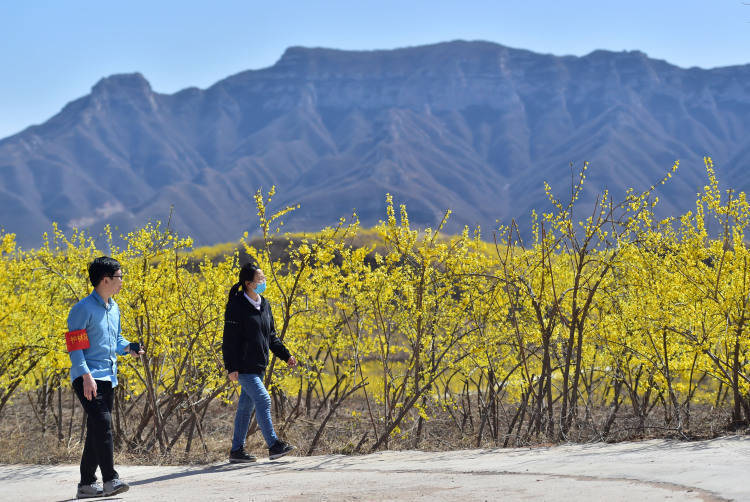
[471, 126]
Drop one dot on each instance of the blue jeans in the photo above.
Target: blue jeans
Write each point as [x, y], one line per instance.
[253, 396]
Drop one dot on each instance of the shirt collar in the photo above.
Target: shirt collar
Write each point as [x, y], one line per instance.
[100, 300]
[253, 302]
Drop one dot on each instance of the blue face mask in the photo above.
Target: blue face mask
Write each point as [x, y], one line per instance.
[260, 288]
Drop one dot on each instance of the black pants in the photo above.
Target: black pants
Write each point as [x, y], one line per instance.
[99, 448]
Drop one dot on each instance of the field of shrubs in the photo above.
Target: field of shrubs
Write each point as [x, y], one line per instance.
[605, 325]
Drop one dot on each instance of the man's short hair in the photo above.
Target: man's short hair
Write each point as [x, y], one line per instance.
[102, 267]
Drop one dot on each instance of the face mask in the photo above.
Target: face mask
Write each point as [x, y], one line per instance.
[260, 288]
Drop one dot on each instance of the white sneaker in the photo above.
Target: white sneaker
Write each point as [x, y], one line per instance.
[115, 486]
[89, 491]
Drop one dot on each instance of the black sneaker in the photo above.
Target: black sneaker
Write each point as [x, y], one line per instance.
[240, 456]
[279, 449]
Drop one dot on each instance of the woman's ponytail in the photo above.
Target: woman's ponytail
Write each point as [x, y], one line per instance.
[247, 273]
[235, 289]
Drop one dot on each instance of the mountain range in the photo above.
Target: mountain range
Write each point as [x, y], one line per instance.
[474, 127]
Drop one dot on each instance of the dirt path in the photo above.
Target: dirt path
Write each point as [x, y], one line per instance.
[651, 470]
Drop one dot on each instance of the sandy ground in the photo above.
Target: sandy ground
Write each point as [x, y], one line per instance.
[718, 469]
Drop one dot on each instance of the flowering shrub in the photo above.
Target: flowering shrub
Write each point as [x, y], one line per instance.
[511, 340]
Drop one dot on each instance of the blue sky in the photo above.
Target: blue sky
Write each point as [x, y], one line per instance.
[53, 51]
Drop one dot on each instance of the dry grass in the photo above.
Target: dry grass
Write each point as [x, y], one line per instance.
[24, 440]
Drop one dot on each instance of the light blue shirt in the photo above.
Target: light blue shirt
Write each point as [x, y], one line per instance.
[102, 324]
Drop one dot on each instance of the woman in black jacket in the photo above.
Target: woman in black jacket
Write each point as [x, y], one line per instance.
[249, 332]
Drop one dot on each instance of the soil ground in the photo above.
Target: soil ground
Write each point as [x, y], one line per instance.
[649, 470]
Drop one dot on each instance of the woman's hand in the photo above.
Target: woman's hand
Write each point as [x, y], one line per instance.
[233, 376]
[292, 362]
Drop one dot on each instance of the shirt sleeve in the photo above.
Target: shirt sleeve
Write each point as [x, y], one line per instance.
[276, 345]
[230, 345]
[78, 318]
[123, 346]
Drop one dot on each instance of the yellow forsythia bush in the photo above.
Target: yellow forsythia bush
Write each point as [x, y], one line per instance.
[512, 340]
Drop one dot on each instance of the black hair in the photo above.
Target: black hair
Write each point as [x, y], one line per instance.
[102, 267]
[247, 273]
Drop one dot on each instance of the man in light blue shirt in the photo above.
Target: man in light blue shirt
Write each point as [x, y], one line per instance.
[94, 341]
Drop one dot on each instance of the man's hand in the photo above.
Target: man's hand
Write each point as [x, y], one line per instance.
[233, 376]
[292, 362]
[89, 386]
[137, 354]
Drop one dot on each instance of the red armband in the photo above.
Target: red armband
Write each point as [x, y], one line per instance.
[77, 340]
